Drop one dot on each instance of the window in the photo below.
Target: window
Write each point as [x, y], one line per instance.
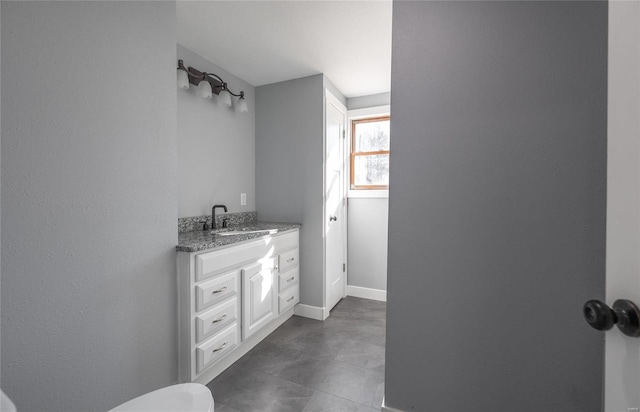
[369, 163]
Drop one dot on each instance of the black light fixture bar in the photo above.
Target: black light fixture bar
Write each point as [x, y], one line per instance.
[217, 84]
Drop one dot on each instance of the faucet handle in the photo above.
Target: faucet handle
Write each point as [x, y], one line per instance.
[225, 223]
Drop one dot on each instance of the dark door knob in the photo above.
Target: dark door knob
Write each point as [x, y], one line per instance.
[625, 314]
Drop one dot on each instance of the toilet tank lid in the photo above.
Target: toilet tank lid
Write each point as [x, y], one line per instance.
[185, 397]
[6, 405]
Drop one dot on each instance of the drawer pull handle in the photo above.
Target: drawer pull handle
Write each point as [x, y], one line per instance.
[290, 260]
[220, 319]
[220, 348]
[290, 299]
[219, 290]
[291, 278]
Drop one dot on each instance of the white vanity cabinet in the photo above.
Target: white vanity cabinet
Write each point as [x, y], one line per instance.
[232, 297]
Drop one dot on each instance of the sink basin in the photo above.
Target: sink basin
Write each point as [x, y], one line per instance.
[244, 231]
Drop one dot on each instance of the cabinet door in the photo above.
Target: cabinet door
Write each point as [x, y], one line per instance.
[259, 294]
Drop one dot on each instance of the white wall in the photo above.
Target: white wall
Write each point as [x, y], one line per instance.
[367, 243]
[622, 356]
[372, 100]
[89, 202]
[216, 146]
[367, 230]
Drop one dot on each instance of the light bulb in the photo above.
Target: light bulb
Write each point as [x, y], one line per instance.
[241, 105]
[224, 98]
[204, 89]
[183, 79]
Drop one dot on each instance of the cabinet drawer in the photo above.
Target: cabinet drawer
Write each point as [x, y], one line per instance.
[216, 347]
[287, 260]
[286, 241]
[288, 279]
[288, 299]
[216, 290]
[212, 263]
[217, 318]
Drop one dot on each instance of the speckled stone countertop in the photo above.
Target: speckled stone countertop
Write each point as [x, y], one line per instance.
[199, 240]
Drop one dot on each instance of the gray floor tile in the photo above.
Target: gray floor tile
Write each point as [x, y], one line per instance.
[336, 378]
[365, 408]
[309, 365]
[350, 382]
[220, 407]
[270, 357]
[257, 391]
[378, 397]
[362, 354]
[324, 402]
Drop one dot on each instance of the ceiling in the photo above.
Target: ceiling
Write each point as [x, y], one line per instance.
[264, 42]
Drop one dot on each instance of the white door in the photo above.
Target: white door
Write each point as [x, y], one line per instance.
[334, 207]
[622, 353]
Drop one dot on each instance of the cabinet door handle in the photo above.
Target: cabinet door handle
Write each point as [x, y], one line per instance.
[291, 298]
[220, 348]
[220, 319]
[219, 290]
[291, 278]
[290, 260]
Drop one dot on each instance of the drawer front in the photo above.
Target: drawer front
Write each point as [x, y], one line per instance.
[286, 280]
[212, 263]
[216, 347]
[216, 290]
[286, 241]
[217, 318]
[288, 260]
[288, 299]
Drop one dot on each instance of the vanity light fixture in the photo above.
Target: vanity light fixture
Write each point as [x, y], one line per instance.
[208, 85]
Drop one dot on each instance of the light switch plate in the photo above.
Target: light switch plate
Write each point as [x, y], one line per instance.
[243, 199]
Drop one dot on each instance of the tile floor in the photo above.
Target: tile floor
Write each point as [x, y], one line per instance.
[308, 365]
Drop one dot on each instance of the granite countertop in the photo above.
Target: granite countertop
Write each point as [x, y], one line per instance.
[199, 240]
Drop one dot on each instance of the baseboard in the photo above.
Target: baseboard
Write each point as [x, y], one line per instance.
[311, 312]
[366, 293]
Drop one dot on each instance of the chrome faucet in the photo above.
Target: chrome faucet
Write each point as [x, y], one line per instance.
[213, 215]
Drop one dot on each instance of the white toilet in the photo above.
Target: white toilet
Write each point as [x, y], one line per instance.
[186, 397]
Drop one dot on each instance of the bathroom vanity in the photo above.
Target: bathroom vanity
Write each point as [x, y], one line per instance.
[234, 289]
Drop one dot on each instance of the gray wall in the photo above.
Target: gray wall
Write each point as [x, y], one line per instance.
[497, 205]
[367, 234]
[372, 100]
[216, 146]
[289, 128]
[89, 203]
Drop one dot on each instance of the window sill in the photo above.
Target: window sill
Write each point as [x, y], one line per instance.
[364, 194]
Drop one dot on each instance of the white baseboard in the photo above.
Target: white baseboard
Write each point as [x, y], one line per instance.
[311, 312]
[366, 293]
